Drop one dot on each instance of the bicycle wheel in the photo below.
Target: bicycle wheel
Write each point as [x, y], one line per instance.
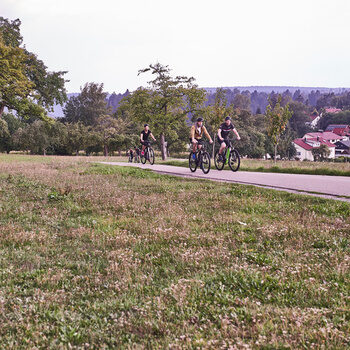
[205, 162]
[151, 156]
[219, 164]
[192, 162]
[143, 157]
[234, 160]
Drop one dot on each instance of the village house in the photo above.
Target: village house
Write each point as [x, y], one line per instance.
[305, 145]
[342, 148]
[340, 129]
[314, 120]
[328, 136]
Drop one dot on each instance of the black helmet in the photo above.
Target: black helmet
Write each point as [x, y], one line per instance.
[145, 125]
[227, 118]
[200, 119]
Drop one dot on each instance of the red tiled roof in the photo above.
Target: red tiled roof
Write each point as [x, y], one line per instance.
[321, 140]
[326, 135]
[332, 110]
[302, 144]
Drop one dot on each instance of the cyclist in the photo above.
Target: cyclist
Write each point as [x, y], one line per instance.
[144, 137]
[131, 155]
[197, 131]
[223, 133]
[137, 154]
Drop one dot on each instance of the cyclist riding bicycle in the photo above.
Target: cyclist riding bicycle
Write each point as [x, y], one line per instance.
[197, 131]
[144, 137]
[223, 133]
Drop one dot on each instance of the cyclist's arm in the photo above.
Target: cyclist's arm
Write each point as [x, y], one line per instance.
[153, 137]
[236, 133]
[219, 134]
[141, 137]
[192, 133]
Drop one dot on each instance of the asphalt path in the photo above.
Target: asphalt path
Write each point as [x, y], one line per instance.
[334, 187]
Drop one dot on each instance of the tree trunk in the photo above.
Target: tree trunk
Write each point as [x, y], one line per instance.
[105, 150]
[213, 153]
[44, 151]
[120, 153]
[163, 146]
[76, 152]
[2, 107]
[275, 159]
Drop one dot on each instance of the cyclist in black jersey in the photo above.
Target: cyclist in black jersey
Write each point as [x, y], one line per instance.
[144, 137]
[223, 133]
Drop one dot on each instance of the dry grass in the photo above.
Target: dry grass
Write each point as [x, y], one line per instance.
[94, 256]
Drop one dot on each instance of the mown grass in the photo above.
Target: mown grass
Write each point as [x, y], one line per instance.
[332, 169]
[95, 256]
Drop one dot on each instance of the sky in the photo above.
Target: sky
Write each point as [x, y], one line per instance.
[218, 42]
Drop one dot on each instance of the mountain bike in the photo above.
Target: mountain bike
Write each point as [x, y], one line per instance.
[137, 156]
[148, 154]
[230, 156]
[199, 158]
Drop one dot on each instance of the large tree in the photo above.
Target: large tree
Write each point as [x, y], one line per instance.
[26, 86]
[216, 112]
[166, 103]
[88, 106]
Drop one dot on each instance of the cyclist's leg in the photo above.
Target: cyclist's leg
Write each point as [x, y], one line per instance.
[194, 147]
[222, 145]
[143, 147]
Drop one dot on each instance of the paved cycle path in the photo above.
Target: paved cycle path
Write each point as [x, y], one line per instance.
[335, 187]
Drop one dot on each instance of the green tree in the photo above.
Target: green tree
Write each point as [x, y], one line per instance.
[320, 153]
[77, 136]
[88, 106]
[242, 102]
[34, 137]
[215, 114]
[277, 118]
[12, 125]
[25, 84]
[108, 128]
[166, 103]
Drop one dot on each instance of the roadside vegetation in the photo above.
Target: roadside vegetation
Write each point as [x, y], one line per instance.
[288, 166]
[95, 256]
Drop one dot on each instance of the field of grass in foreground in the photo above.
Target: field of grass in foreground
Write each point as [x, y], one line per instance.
[94, 256]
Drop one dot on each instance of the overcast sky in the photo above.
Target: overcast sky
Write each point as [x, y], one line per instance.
[219, 42]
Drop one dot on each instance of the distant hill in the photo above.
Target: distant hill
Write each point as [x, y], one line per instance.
[280, 89]
[114, 99]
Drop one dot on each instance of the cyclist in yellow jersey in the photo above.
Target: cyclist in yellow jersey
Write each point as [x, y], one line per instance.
[197, 131]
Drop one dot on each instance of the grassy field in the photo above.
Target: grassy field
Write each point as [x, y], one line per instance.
[289, 167]
[94, 256]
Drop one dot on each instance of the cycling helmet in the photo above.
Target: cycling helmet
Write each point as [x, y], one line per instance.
[200, 119]
[145, 125]
[227, 118]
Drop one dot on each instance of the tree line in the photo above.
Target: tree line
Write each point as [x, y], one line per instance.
[92, 123]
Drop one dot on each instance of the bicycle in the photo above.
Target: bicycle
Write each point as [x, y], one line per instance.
[199, 158]
[230, 156]
[131, 157]
[148, 154]
[137, 156]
